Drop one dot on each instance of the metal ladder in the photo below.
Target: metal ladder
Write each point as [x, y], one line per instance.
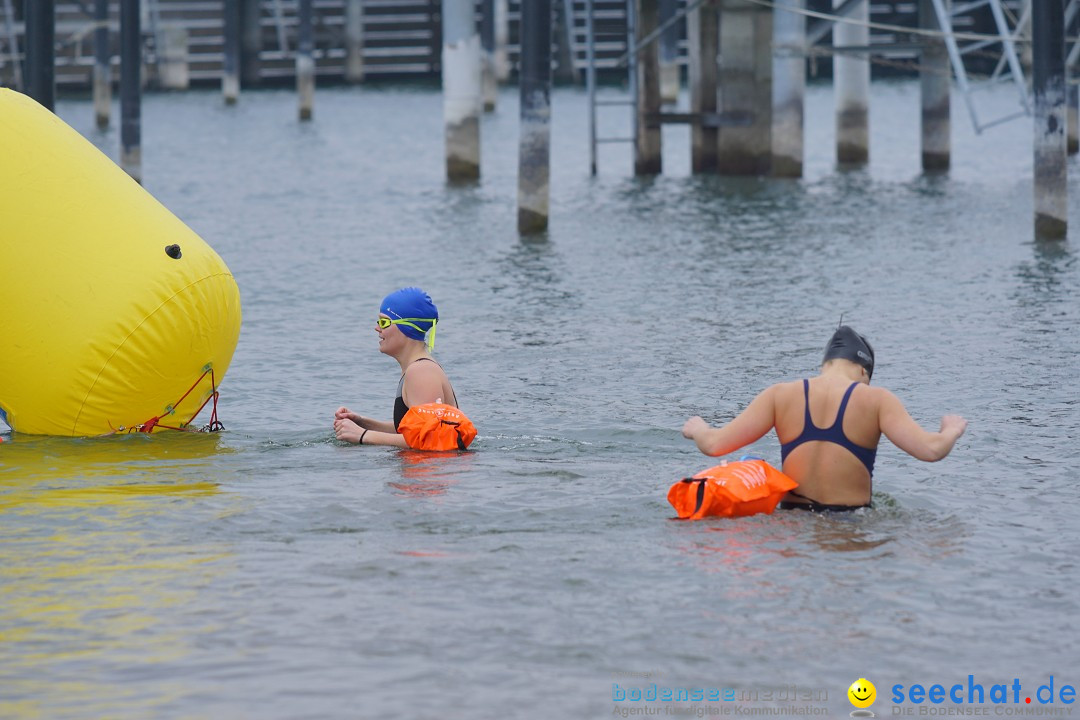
[630, 59]
[1008, 65]
[590, 81]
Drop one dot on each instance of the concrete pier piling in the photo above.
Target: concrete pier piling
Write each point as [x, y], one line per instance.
[935, 78]
[670, 82]
[565, 69]
[40, 20]
[534, 155]
[250, 42]
[462, 97]
[172, 59]
[230, 76]
[131, 89]
[647, 155]
[1072, 75]
[788, 88]
[851, 79]
[745, 88]
[11, 34]
[1072, 140]
[1048, 81]
[590, 80]
[354, 41]
[305, 61]
[102, 65]
[487, 60]
[502, 40]
[702, 39]
[1072, 91]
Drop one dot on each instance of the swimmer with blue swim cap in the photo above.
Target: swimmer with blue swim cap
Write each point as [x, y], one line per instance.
[413, 312]
[829, 427]
[406, 326]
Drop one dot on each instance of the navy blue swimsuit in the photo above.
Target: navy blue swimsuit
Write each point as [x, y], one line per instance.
[834, 434]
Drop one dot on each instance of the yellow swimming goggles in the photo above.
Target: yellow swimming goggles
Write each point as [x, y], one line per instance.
[385, 322]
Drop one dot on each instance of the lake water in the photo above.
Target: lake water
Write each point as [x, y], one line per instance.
[270, 572]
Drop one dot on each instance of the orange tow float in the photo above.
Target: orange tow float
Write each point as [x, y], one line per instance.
[436, 426]
[735, 489]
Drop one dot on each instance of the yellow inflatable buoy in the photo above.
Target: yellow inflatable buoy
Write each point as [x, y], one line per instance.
[112, 309]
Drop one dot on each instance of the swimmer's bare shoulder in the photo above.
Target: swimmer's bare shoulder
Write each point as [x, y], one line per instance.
[788, 403]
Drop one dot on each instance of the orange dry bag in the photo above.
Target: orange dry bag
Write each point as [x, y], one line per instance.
[436, 426]
[736, 489]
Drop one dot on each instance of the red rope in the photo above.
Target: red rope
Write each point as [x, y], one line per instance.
[213, 426]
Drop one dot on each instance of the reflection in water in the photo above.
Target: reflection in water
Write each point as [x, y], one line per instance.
[813, 578]
[99, 550]
[73, 497]
[528, 326]
[1042, 326]
[63, 472]
[1043, 276]
[751, 545]
[529, 279]
[427, 473]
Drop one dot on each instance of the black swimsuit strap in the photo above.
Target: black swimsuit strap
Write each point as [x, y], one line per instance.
[815, 506]
[416, 361]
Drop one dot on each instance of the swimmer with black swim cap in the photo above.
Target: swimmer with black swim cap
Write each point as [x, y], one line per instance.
[829, 427]
[850, 345]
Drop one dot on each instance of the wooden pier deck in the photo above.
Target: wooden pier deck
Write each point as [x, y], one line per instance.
[401, 38]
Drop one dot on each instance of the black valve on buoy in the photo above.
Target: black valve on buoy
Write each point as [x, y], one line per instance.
[173, 251]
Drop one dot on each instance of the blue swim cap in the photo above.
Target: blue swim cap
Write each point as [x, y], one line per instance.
[414, 305]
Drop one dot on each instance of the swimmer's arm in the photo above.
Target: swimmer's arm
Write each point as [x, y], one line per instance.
[365, 423]
[907, 435]
[347, 430]
[374, 437]
[383, 426]
[750, 425]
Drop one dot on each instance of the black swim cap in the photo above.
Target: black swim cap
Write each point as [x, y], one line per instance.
[850, 345]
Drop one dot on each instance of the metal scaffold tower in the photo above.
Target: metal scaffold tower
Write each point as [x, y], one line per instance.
[1010, 29]
[993, 56]
[1071, 12]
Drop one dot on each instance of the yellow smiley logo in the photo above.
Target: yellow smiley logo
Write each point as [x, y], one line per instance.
[862, 693]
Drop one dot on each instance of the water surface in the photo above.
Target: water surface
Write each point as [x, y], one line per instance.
[270, 572]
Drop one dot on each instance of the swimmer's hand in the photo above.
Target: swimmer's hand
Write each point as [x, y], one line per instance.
[347, 430]
[692, 427]
[343, 413]
[953, 426]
